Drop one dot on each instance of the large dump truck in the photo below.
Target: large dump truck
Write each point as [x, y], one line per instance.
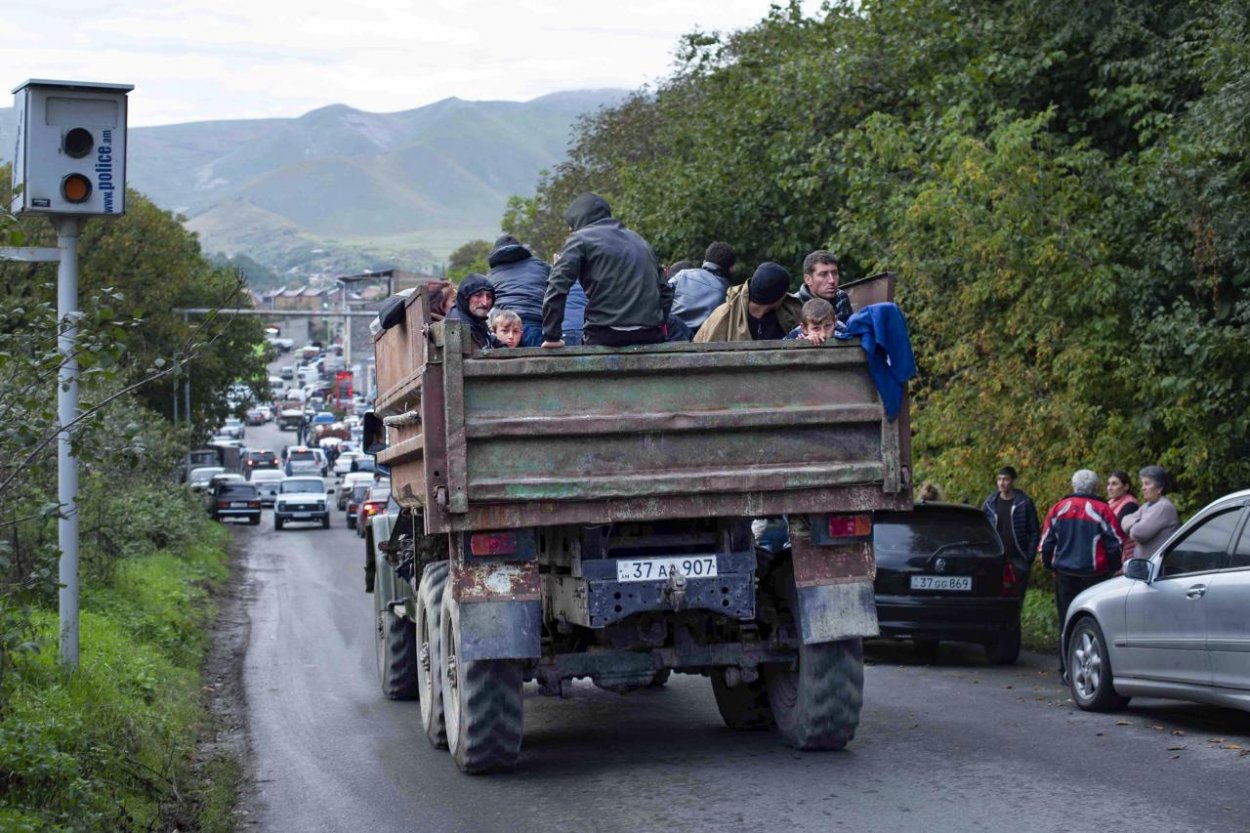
[586, 513]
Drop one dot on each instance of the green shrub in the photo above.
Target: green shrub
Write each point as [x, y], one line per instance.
[1039, 622]
[108, 747]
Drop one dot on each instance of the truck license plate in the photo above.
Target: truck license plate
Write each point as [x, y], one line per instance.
[958, 583]
[659, 569]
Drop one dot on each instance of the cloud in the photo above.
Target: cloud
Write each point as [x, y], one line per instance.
[194, 60]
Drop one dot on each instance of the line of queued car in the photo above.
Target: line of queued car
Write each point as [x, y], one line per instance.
[293, 485]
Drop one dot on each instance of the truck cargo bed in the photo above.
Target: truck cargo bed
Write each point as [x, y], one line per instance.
[504, 439]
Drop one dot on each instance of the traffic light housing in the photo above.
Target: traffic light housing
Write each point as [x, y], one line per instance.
[71, 148]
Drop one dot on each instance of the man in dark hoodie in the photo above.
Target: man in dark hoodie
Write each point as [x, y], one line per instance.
[627, 298]
[520, 281]
[820, 280]
[474, 299]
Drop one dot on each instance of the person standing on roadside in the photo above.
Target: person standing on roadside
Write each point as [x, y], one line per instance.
[627, 298]
[820, 280]
[1120, 499]
[1080, 543]
[1156, 518]
[1015, 517]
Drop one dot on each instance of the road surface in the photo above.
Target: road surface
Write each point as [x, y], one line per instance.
[952, 745]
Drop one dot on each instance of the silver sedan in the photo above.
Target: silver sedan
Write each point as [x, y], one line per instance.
[1175, 625]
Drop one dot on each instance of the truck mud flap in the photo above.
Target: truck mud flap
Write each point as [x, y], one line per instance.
[500, 630]
[831, 612]
[500, 609]
[835, 594]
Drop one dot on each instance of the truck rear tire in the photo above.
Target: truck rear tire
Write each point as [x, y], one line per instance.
[430, 652]
[744, 706]
[816, 701]
[481, 704]
[395, 640]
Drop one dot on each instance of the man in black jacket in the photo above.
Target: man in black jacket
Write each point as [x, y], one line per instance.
[628, 299]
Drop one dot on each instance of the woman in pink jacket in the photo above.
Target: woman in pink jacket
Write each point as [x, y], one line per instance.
[1122, 502]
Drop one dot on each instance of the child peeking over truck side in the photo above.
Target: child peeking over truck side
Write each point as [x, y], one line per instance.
[817, 323]
[507, 327]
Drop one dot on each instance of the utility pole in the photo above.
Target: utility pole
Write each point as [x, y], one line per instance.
[69, 164]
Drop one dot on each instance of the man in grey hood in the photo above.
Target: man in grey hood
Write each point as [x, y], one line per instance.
[627, 298]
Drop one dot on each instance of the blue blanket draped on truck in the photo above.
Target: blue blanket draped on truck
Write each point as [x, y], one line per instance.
[883, 335]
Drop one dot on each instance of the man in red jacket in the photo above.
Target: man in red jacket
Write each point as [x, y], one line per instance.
[1081, 543]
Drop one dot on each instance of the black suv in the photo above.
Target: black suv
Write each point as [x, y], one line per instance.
[942, 575]
[263, 459]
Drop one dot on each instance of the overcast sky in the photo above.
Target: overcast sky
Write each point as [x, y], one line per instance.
[191, 60]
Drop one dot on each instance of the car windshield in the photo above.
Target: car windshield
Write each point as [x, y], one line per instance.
[204, 475]
[925, 532]
[302, 484]
[377, 495]
[238, 490]
[359, 492]
[264, 476]
[301, 456]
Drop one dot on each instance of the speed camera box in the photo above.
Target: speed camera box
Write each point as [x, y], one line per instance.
[71, 148]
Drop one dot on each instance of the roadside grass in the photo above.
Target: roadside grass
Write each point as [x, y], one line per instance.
[1038, 623]
[1039, 627]
[110, 747]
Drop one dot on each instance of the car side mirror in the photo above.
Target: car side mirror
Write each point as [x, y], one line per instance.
[1138, 569]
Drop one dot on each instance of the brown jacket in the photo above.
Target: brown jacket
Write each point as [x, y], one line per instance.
[728, 322]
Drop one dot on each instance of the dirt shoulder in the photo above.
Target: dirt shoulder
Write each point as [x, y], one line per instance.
[224, 758]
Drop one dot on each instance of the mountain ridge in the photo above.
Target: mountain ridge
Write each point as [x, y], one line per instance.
[339, 188]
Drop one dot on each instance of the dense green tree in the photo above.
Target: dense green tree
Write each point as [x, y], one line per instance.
[1062, 188]
[469, 258]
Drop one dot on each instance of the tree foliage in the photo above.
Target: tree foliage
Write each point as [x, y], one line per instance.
[1062, 188]
[133, 350]
[468, 259]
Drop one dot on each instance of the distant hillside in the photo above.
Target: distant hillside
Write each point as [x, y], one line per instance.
[339, 189]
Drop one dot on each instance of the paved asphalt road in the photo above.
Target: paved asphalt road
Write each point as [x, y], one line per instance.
[951, 746]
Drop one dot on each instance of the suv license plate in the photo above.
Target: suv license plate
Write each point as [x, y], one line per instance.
[300, 515]
[957, 583]
[661, 569]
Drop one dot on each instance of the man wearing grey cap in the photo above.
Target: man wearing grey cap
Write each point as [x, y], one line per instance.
[758, 310]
